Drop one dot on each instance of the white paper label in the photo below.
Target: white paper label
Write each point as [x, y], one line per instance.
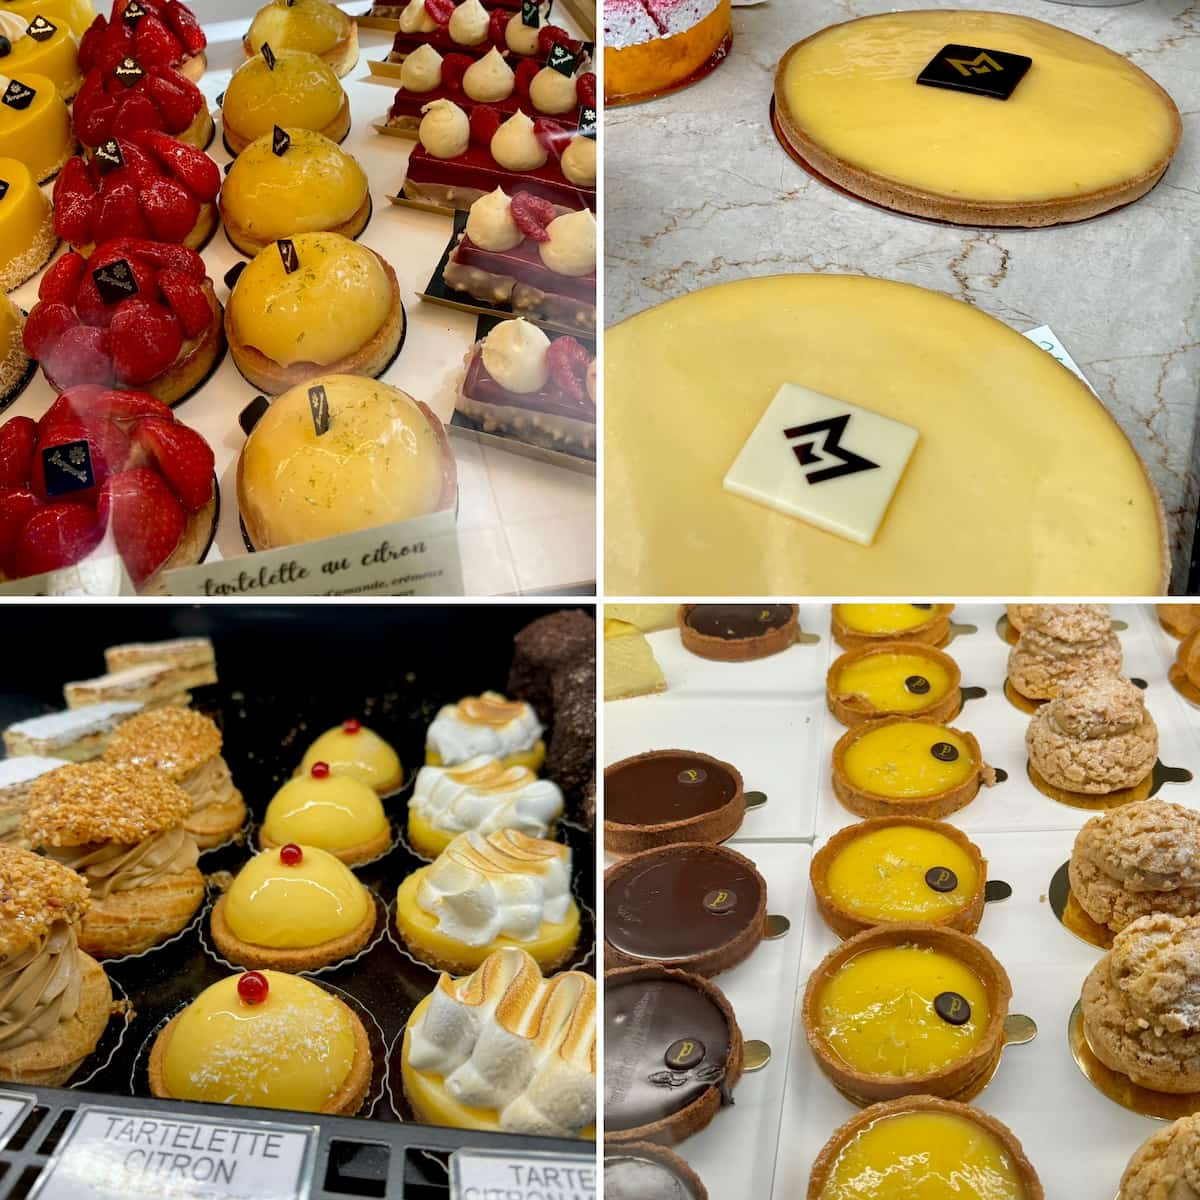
[139, 1154]
[13, 1108]
[500, 1175]
[95, 576]
[1045, 337]
[411, 558]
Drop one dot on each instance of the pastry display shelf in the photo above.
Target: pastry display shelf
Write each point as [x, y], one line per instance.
[699, 192]
[524, 526]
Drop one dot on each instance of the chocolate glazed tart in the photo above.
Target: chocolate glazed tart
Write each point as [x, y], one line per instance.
[692, 906]
[673, 1054]
[737, 632]
[664, 797]
[643, 1171]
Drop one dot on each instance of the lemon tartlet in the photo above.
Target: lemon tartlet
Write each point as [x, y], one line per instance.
[315, 26]
[856, 625]
[484, 893]
[294, 908]
[892, 679]
[299, 91]
[266, 1040]
[352, 749]
[309, 185]
[332, 812]
[41, 46]
[35, 126]
[27, 237]
[489, 724]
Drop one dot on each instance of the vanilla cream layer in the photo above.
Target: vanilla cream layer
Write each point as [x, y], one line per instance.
[1021, 483]
[1081, 120]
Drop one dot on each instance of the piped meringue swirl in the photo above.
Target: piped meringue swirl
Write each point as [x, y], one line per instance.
[483, 795]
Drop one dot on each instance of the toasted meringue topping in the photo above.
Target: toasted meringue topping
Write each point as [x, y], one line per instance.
[490, 224]
[514, 354]
[483, 795]
[489, 79]
[515, 145]
[444, 130]
[487, 724]
[571, 249]
[416, 19]
[552, 92]
[519, 37]
[421, 71]
[578, 161]
[469, 23]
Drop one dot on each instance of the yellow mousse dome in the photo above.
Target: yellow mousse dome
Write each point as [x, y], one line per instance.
[322, 312]
[27, 235]
[52, 52]
[311, 25]
[78, 15]
[333, 812]
[301, 91]
[293, 1050]
[39, 135]
[290, 905]
[383, 459]
[354, 750]
[313, 185]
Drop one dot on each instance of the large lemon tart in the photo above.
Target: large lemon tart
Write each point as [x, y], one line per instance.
[238, 1043]
[486, 724]
[900, 766]
[484, 893]
[27, 237]
[35, 126]
[923, 1148]
[544, 1081]
[315, 304]
[352, 749]
[295, 90]
[295, 908]
[1056, 501]
[1007, 131]
[893, 679]
[77, 15]
[630, 668]
[905, 1010]
[866, 624]
[42, 46]
[333, 812]
[892, 870]
[15, 364]
[315, 26]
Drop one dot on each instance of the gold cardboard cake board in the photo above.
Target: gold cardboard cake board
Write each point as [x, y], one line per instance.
[1105, 801]
[1071, 914]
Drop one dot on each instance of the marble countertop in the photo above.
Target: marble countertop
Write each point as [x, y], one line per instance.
[698, 192]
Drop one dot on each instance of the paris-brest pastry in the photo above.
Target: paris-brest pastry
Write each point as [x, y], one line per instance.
[1060, 641]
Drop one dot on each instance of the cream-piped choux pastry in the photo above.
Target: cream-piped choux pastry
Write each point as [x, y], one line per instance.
[1060, 641]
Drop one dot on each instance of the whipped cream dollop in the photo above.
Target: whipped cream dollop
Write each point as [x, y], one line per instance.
[571, 249]
[489, 78]
[444, 130]
[515, 146]
[484, 724]
[483, 795]
[552, 92]
[13, 26]
[421, 71]
[578, 161]
[514, 354]
[490, 224]
[39, 987]
[519, 37]
[416, 19]
[469, 23]
[506, 1040]
[503, 885]
[111, 867]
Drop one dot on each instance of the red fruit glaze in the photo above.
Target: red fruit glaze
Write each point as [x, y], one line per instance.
[252, 987]
[291, 855]
[146, 518]
[55, 536]
[320, 770]
[18, 437]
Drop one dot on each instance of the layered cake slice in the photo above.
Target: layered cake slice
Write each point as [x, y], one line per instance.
[76, 735]
[630, 668]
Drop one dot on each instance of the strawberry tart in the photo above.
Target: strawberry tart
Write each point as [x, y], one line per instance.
[102, 466]
[426, 76]
[27, 237]
[146, 185]
[41, 46]
[317, 26]
[652, 47]
[468, 28]
[135, 313]
[457, 159]
[159, 33]
[523, 253]
[131, 95]
[521, 383]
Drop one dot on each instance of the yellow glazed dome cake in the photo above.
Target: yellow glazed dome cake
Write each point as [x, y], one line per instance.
[77, 15]
[35, 126]
[311, 25]
[299, 91]
[27, 237]
[1045, 125]
[301, 184]
[352, 749]
[15, 364]
[266, 1040]
[314, 304]
[388, 460]
[41, 46]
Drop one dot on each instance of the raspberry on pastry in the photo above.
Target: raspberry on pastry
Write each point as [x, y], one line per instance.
[158, 33]
[132, 95]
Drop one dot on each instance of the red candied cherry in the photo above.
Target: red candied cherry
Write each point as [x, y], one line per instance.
[253, 987]
[291, 855]
[320, 770]
[351, 725]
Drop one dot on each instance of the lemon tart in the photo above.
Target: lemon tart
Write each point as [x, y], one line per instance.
[279, 187]
[332, 812]
[293, 908]
[490, 724]
[237, 1043]
[315, 26]
[16, 366]
[905, 1010]
[872, 104]
[294, 90]
[486, 892]
[897, 870]
[923, 1148]
[27, 237]
[900, 766]
[891, 679]
[856, 625]
[35, 126]
[738, 632]
[352, 749]
[630, 668]
[41, 46]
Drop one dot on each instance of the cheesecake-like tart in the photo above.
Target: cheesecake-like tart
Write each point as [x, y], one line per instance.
[1057, 643]
[27, 237]
[630, 668]
[316, 26]
[855, 625]
[896, 870]
[872, 103]
[487, 724]
[737, 632]
[35, 126]
[119, 98]
[892, 679]
[352, 749]
[42, 47]
[162, 33]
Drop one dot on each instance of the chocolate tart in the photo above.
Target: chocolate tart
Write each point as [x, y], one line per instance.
[961, 1079]
[738, 632]
[864, 803]
[673, 1054]
[664, 797]
[692, 906]
[846, 923]
[934, 632]
[1179, 619]
[644, 1171]
[853, 708]
[825, 1162]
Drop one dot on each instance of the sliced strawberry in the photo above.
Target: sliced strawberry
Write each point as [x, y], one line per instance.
[45, 327]
[191, 166]
[119, 213]
[90, 403]
[55, 536]
[141, 168]
[145, 517]
[17, 505]
[186, 299]
[18, 437]
[90, 43]
[182, 456]
[440, 10]
[549, 34]
[61, 433]
[160, 254]
[73, 218]
[61, 282]
[485, 120]
[175, 97]
[568, 362]
[146, 339]
[94, 122]
[585, 88]
[170, 209]
[552, 135]
[498, 28]
[153, 42]
[137, 112]
[91, 306]
[527, 68]
[82, 355]
[454, 67]
[185, 26]
[121, 247]
[531, 215]
[73, 178]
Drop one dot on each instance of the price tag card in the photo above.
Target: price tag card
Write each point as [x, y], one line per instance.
[96, 575]
[13, 1107]
[1045, 337]
[533, 1175]
[141, 1154]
